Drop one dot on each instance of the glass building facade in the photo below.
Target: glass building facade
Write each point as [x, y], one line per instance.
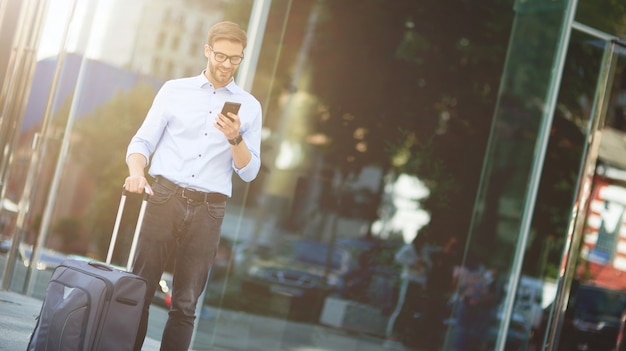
[486, 137]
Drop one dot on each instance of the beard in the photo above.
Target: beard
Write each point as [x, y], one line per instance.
[220, 77]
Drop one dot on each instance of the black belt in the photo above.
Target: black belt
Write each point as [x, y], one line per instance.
[192, 194]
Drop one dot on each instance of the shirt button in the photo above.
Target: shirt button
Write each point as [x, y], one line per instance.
[200, 155]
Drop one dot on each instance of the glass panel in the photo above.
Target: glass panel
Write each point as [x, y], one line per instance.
[486, 305]
[543, 259]
[22, 164]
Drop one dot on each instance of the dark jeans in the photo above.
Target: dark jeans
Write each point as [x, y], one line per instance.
[189, 230]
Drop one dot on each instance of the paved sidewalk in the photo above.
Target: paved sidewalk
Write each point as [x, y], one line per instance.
[18, 315]
[218, 330]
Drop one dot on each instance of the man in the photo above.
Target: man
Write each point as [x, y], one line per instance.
[194, 150]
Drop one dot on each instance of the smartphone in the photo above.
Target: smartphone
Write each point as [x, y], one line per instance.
[230, 107]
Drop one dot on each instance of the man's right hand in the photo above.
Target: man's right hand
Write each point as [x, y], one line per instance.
[137, 184]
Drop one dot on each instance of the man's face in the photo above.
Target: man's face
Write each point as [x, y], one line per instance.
[221, 73]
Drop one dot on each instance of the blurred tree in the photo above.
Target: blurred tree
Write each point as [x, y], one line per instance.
[69, 230]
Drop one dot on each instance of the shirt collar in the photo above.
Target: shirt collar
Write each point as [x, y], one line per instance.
[203, 81]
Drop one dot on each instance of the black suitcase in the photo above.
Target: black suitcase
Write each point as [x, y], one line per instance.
[92, 306]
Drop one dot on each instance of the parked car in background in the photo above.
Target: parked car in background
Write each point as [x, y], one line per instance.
[294, 278]
[592, 319]
[5, 246]
[48, 259]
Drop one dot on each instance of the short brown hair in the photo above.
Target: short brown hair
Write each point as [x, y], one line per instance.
[229, 31]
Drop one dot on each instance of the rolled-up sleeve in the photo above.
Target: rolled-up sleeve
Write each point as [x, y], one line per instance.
[147, 137]
[252, 137]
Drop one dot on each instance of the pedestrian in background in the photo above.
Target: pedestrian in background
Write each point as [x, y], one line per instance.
[477, 297]
[192, 150]
[415, 260]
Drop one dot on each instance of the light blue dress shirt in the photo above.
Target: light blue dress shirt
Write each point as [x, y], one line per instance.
[180, 136]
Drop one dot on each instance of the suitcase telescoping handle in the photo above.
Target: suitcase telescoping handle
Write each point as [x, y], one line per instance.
[116, 229]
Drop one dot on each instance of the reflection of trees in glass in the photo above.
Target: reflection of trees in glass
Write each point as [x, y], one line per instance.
[99, 147]
[410, 79]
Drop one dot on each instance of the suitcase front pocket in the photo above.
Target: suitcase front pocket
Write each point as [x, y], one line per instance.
[63, 319]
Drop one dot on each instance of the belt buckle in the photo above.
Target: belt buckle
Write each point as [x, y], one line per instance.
[192, 196]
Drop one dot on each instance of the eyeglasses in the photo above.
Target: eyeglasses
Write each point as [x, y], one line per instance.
[220, 57]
